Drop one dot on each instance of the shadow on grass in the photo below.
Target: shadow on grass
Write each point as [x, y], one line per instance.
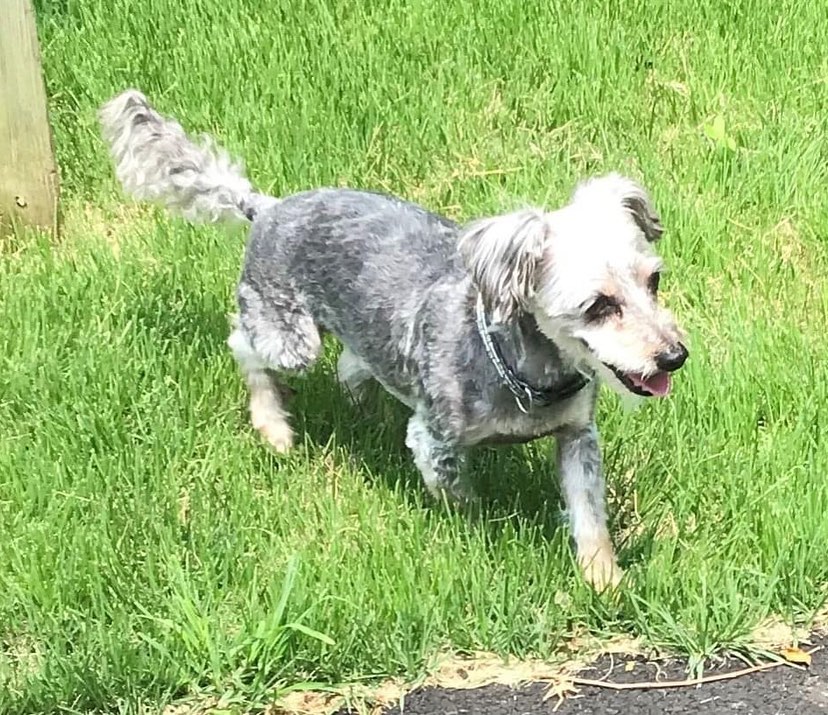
[518, 485]
[172, 312]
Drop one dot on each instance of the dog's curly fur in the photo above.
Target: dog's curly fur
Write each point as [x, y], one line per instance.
[565, 292]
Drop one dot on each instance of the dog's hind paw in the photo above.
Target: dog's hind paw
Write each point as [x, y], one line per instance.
[601, 570]
[457, 495]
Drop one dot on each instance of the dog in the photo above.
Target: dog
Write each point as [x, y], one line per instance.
[497, 331]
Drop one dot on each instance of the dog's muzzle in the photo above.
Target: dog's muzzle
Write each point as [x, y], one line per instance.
[657, 384]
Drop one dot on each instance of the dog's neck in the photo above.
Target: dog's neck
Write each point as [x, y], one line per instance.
[530, 356]
[529, 353]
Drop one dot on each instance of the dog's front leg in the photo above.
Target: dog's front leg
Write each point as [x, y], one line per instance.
[440, 459]
[579, 464]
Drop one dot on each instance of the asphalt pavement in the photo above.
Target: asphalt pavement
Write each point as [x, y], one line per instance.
[782, 690]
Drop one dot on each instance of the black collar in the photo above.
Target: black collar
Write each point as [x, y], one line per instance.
[526, 395]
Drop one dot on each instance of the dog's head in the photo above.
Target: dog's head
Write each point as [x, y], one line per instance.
[589, 274]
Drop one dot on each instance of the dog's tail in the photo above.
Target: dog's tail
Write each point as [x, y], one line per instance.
[156, 161]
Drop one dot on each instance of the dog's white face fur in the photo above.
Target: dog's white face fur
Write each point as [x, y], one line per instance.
[589, 274]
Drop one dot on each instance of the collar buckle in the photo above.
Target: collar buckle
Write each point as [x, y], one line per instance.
[530, 402]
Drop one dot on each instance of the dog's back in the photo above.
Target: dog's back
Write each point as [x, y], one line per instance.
[364, 248]
[361, 264]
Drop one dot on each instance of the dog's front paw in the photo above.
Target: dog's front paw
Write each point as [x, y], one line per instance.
[600, 568]
[278, 434]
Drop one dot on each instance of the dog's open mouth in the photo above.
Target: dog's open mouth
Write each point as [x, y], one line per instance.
[655, 385]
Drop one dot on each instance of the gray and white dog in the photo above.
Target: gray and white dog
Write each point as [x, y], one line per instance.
[497, 331]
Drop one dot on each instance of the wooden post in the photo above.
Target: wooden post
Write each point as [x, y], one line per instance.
[28, 172]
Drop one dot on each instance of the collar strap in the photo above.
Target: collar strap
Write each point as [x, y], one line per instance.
[525, 394]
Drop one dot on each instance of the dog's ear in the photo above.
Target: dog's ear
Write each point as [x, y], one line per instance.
[503, 254]
[643, 213]
[632, 196]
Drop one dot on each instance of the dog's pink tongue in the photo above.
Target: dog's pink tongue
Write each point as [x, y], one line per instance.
[658, 384]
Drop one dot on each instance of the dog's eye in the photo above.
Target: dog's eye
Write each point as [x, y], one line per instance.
[603, 307]
[653, 282]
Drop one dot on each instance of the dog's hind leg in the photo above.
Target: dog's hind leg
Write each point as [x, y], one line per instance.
[267, 413]
[270, 339]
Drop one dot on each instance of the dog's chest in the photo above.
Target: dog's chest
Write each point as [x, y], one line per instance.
[510, 425]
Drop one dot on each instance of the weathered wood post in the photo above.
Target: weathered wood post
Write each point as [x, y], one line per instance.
[29, 185]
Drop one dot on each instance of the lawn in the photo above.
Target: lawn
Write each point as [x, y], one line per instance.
[152, 549]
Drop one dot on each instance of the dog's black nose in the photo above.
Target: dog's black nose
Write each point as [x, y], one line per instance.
[672, 359]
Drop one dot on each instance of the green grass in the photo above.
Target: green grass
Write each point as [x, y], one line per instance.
[153, 549]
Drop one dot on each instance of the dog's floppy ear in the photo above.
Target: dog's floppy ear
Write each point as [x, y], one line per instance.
[503, 254]
[643, 212]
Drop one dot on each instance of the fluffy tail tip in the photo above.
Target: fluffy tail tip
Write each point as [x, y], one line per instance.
[156, 161]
